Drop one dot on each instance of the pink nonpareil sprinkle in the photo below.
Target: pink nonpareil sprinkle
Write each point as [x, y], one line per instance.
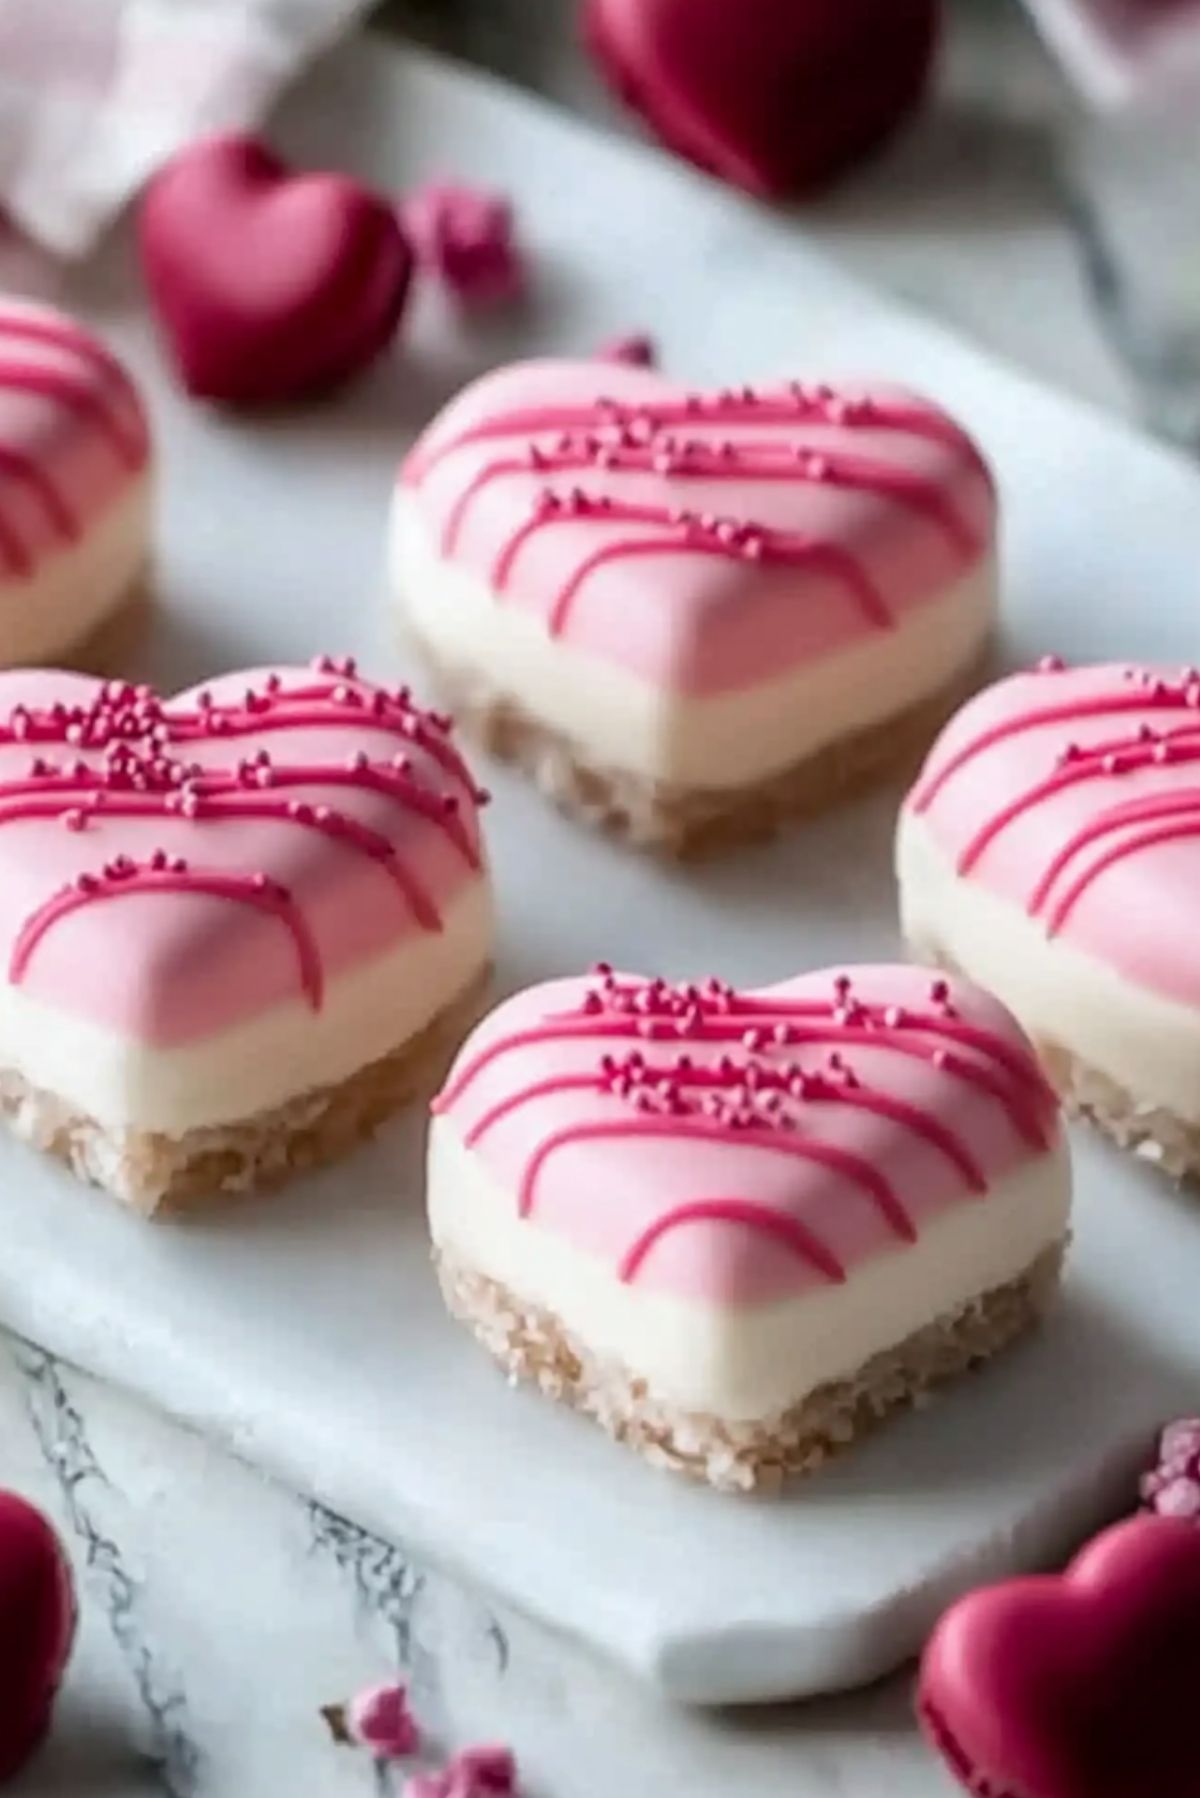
[380, 1720]
[1172, 1486]
[466, 237]
[636, 350]
[485, 1772]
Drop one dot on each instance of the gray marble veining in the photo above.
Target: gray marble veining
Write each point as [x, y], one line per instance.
[101, 1528]
[219, 1611]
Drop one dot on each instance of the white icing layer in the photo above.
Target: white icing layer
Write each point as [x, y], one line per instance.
[728, 740]
[1147, 1043]
[45, 615]
[747, 1363]
[366, 1013]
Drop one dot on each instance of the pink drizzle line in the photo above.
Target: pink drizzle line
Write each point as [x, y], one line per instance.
[1137, 753]
[1076, 711]
[1150, 839]
[729, 462]
[61, 334]
[1132, 756]
[837, 1160]
[786, 1229]
[823, 1091]
[15, 466]
[315, 708]
[215, 799]
[755, 1103]
[1180, 810]
[818, 406]
[265, 896]
[688, 536]
[76, 395]
[141, 780]
[1024, 1100]
[235, 807]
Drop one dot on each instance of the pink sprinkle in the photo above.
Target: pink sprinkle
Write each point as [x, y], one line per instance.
[636, 350]
[489, 1771]
[486, 1772]
[1181, 1438]
[1051, 665]
[1179, 1498]
[465, 237]
[1171, 1487]
[380, 1719]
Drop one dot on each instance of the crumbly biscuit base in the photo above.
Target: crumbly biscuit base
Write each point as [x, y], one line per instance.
[692, 822]
[153, 1172]
[1148, 1130]
[533, 1344]
[108, 648]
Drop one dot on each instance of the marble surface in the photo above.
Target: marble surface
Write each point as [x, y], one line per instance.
[220, 1611]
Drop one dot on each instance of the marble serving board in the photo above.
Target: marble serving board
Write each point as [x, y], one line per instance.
[306, 1331]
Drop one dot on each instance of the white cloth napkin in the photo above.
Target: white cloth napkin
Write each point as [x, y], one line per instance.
[94, 94]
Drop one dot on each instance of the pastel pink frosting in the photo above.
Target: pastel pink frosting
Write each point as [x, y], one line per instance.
[73, 435]
[704, 542]
[1075, 793]
[747, 1146]
[170, 868]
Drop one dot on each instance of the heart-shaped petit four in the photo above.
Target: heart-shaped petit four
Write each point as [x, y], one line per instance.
[1051, 849]
[37, 1628]
[234, 924]
[1079, 1685]
[691, 614]
[269, 285]
[736, 1227]
[776, 96]
[75, 487]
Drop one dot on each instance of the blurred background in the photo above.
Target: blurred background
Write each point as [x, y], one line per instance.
[1075, 114]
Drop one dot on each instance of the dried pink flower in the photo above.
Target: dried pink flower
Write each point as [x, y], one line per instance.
[466, 237]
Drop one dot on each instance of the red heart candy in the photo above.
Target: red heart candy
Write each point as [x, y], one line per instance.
[776, 96]
[37, 1626]
[1079, 1685]
[268, 285]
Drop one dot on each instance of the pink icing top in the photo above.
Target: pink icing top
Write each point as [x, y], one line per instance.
[747, 1146]
[703, 541]
[1076, 793]
[72, 434]
[169, 868]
